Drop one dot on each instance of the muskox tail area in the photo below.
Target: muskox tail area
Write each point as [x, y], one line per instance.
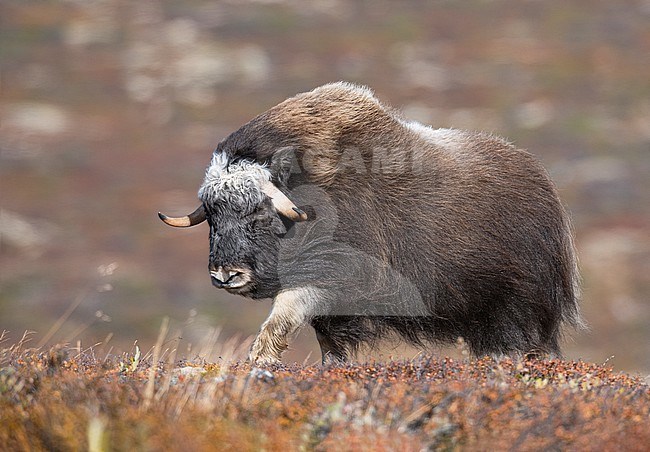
[560, 313]
[564, 295]
[571, 293]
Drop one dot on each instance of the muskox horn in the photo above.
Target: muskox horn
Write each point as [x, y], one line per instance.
[283, 204]
[196, 217]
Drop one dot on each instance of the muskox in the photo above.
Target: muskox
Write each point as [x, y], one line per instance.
[368, 226]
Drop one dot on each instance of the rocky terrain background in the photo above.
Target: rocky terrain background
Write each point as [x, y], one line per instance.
[110, 110]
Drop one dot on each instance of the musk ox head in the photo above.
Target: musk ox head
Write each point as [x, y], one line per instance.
[248, 215]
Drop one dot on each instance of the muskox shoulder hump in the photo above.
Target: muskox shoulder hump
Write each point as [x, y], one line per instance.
[344, 92]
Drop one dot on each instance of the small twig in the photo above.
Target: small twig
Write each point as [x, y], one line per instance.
[61, 320]
[149, 390]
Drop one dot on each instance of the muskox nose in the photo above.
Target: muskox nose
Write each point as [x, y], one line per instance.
[226, 276]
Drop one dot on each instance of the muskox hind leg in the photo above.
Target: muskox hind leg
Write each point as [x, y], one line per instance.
[292, 308]
[339, 336]
[332, 350]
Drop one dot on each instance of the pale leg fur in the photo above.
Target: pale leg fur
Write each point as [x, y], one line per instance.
[291, 310]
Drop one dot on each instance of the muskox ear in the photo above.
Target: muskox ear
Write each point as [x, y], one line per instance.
[283, 164]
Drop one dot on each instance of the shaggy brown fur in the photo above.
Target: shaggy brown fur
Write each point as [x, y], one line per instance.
[428, 233]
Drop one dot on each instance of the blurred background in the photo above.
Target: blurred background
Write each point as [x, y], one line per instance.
[111, 109]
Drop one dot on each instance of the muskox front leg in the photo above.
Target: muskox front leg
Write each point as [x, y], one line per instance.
[292, 308]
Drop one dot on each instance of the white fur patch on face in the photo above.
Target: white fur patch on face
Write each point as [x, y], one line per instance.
[238, 181]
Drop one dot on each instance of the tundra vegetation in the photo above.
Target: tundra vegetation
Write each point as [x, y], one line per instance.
[63, 398]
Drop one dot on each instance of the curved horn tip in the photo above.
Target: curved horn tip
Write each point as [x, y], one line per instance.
[171, 221]
[302, 216]
[181, 222]
[283, 204]
[196, 217]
